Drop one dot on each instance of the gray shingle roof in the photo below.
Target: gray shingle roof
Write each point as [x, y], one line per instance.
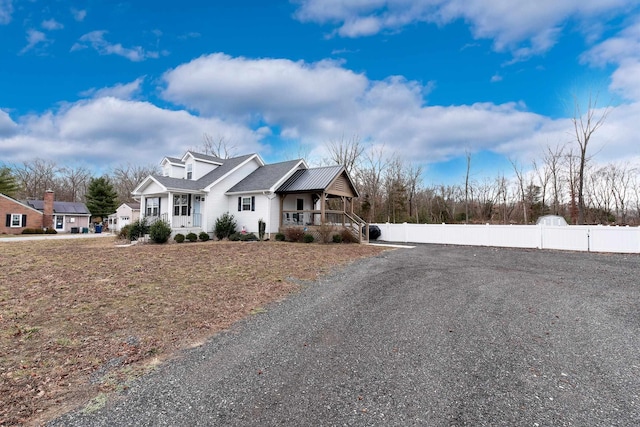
[205, 157]
[202, 183]
[174, 160]
[71, 208]
[310, 179]
[265, 177]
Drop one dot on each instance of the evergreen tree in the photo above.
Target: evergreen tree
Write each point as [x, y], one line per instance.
[8, 184]
[101, 197]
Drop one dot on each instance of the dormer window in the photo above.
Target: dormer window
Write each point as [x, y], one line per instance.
[190, 171]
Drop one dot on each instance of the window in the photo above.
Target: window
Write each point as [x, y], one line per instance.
[246, 203]
[16, 220]
[181, 205]
[189, 171]
[124, 218]
[153, 207]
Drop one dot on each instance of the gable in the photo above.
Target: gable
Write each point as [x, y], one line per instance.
[9, 202]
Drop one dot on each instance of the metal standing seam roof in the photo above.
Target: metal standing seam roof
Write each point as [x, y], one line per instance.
[265, 177]
[311, 179]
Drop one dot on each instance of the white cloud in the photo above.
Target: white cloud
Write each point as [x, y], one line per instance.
[51, 24]
[523, 28]
[120, 90]
[35, 38]
[6, 9]
[97, 41]
[108, 131]
[319, 102]
[7, 126]
[622, 50]
[78, 14]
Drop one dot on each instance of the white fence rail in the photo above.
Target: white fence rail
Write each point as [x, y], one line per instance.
[588, 238]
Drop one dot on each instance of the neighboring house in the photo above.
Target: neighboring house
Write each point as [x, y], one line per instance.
[64, 217]
[125, 214]
[16, 216]
[196, 189]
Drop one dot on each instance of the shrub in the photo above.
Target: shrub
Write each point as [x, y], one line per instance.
[294, 234]
[160, 231]
[239, 237]
[47, 231]
[192, 237]
[325, 231]
[124, 232]
[337, 238]
[347, 236]
[138, 229]
[179, 238]
[204, 236]
[225, 226]
[280, 237]
[308, 238]
[262, 226]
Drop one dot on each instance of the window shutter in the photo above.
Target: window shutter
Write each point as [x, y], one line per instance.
[253, 203]
[24, 220]
[189, 204]
[159, 198]
[239, 204]
[8, 224]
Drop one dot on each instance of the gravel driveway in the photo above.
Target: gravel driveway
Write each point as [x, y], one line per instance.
[436, 336]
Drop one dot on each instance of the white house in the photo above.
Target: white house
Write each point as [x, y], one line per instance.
[196, 189]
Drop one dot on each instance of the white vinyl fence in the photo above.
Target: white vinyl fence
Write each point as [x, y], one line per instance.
[588, 238]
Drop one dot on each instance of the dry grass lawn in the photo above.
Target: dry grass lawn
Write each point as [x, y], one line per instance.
[81, 317]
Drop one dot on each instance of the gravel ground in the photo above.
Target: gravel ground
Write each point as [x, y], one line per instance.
[435, 335]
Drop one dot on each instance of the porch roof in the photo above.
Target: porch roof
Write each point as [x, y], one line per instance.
[315, 179]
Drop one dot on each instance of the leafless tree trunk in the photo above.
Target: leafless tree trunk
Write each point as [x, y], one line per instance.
[521, 188]
[553, 160]
[585, 126]
[347, 152]
[466, 189]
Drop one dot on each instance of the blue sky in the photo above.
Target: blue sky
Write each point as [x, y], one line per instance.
[105, 83]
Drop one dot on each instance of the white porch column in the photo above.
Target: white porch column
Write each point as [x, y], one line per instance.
[170, 209]
[143, 211]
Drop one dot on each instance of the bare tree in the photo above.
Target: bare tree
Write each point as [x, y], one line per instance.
[370, 178]
[521, 188]
[347, 152]
[35, 177]
[585, 125]
[466, 188]
[620, 178]
[218, 147]
[74, 183]
[125, 178]
[413, 178]
[553, 162]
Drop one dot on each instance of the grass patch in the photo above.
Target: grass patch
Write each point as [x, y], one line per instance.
[79, 318]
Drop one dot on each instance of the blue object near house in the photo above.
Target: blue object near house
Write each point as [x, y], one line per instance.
[98, 229]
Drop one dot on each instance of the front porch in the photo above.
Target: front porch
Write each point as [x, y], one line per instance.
[314, 222]
[183, 224]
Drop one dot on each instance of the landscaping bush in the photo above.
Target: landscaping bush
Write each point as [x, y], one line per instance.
[293, 234]
[239, 237]
[308, 238]
[262, 226]
[192, 237]
[179, 238]
[160, 231]
[124, 232]
[138, 229]
[347, 236]
[325, 231]
[225, 226]
[47, 231]
[280, 237]
[204, 236]
[337, 238]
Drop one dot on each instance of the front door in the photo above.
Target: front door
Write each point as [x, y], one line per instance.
[196, 212]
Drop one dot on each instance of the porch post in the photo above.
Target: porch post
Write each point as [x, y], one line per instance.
[344, 208]
[322, 208]
[281, 209]
[143, 208]
[170, 209]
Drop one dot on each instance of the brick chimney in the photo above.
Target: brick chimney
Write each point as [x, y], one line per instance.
[47, 218]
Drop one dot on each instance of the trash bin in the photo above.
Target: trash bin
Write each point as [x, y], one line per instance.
[98, 229]
[75, 230]
[85, 230]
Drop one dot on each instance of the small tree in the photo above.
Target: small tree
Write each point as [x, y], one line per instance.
[138, 229]
[160, 231]
[262, 226]
[8, 183]
[101, 197]
[225, 226]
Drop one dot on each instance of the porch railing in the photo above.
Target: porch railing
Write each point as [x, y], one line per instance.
[193, 220]
[353, 223]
